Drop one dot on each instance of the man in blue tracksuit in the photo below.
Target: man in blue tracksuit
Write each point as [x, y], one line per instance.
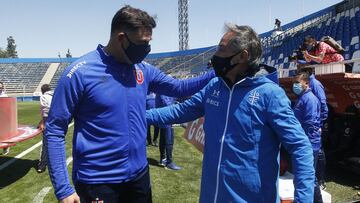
[247, 117]
[104, 92]
[166, 136]
[150, 104]
[319, 91]
[307, 111]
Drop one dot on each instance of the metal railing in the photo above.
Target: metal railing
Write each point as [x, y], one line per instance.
[274, 40]
[188, 64]
[330, 68]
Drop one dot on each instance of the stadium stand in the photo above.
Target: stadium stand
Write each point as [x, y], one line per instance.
[189, 61]
[340, 21]
[22, 77]
[57, 74]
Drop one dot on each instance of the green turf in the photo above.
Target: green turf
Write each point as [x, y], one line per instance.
[20, 183]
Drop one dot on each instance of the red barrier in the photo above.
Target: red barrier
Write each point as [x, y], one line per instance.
[8, 118]
[10, 132]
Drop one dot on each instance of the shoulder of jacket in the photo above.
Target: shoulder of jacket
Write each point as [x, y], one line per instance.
[145, 65]
[272, 88]
[83, 63]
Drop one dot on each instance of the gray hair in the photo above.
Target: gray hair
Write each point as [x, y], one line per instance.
[245, 39]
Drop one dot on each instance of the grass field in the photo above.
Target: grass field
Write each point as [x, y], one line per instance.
[19, 182]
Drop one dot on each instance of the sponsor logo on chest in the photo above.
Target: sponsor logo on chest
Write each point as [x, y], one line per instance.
[74, 68]
[213, 100]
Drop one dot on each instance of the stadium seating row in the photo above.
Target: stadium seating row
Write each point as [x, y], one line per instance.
[22, 77]
[343, 27]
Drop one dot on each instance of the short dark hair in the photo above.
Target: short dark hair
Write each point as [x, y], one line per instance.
[307, 70]
[45, 88]
[303, 76]
[308, 38]
[131, 19]
[246, 38]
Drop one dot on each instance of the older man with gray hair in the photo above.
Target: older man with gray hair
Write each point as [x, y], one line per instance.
[247, 117]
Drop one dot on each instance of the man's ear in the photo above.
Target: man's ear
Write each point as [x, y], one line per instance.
[242, 57]
[120, 37]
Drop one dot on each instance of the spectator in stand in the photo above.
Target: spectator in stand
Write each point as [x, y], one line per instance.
[166, 136]
[45, 102]
[320, 52]
[307, 111]
[277, 25]
[3, 94]
[150, 104]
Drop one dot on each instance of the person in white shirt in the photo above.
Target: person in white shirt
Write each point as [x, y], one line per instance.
[2, 90]
[45, 102]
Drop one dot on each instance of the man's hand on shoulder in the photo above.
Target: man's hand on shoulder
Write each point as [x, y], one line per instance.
[74, 198]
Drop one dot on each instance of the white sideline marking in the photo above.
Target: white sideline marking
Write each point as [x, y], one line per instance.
[68, 161]
[12, 160]
[39, 198]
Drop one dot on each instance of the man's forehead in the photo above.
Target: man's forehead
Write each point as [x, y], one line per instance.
[143, 31]
[298, 78]
[224, 43]
[227, 37]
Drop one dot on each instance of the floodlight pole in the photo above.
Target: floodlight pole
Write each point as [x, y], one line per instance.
[183, 24]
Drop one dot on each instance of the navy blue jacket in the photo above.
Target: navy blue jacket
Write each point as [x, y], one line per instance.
[244, 126]
[318, 89]
[307, 111]
[162, 101]
[107, 102]
[150, 101]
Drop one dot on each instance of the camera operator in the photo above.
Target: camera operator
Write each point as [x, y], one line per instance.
[298, 57]
[320, 51]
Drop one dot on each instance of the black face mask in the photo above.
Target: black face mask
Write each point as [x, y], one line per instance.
[222, 65]
[136, 53]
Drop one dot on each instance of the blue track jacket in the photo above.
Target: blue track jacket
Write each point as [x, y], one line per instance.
[318, 89]
[107, 102]
[244, 127]
[307, 111]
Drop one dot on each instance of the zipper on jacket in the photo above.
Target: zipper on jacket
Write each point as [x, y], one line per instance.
[223, 137]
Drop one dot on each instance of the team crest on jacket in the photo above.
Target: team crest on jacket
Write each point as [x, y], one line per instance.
[139, 76]
[254, 97]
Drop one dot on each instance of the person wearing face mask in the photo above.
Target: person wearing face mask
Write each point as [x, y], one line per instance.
[320, 52]
[307, 111]
[247, 116]
[319, 91]
[104, 92]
